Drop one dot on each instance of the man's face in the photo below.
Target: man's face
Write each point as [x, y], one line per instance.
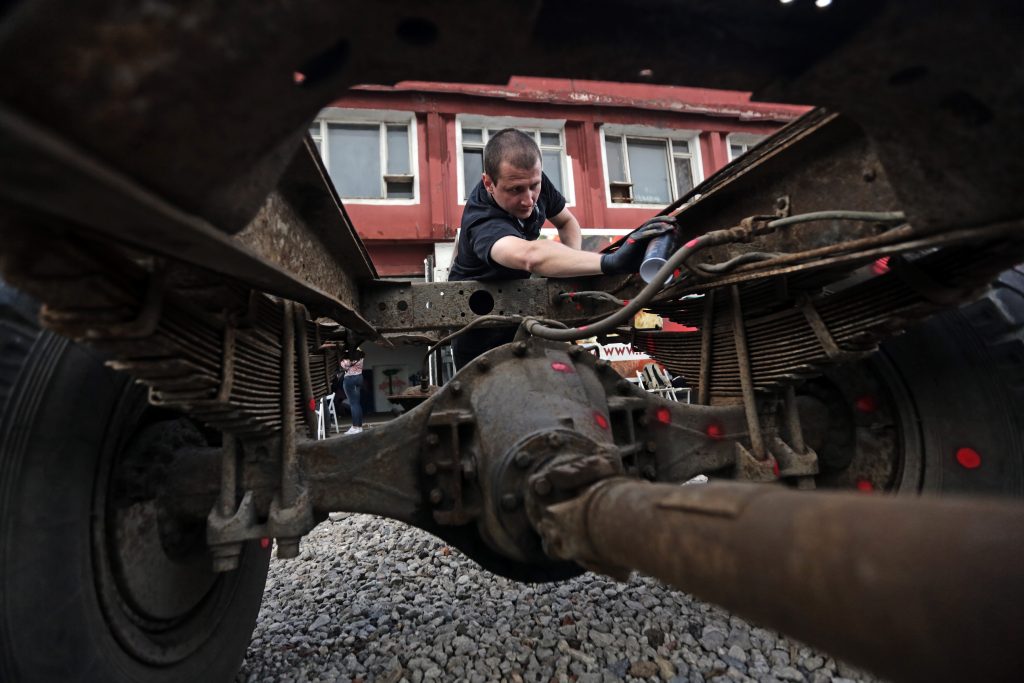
[516, 189]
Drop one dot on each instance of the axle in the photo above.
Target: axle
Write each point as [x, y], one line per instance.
[923, 589]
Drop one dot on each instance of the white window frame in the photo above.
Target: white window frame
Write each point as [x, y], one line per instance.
[691, 137]
[748, 140]
[496, 123]
[383, 118]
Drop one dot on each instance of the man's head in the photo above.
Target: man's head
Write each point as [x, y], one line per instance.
[512, 171]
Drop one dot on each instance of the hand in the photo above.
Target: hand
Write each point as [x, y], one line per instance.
[627, 258]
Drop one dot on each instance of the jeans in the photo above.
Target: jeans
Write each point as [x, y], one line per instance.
[353, 388]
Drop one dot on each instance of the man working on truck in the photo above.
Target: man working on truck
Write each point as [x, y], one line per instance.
[500, 226]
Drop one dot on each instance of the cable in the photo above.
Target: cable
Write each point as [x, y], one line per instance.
[715, 237]
[837, 215]
[595, 294]
[478, 321]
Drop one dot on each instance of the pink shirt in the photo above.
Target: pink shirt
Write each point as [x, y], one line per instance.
[352, 367]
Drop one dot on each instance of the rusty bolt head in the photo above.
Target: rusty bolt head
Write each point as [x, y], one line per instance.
[523, 459]
[649, 472]
[430, 468]
[483, 365]
[542, 486]
[456, 387]
[436, 496]
[519, 348]
[555, 440]
[623, 386]
[433, 439]
[574, 352]
[509, 502]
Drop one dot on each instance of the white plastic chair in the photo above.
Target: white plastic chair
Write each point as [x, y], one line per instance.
[330, 409]
[656, 380]
[320, 432]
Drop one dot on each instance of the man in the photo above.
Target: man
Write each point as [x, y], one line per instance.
[500, 226]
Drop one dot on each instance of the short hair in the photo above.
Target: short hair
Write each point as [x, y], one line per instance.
[514, 146]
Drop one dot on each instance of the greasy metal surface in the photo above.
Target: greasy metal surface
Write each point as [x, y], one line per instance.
[783, 345]
[423, 306]
[42, 173]
[221, 366]
[911, 589]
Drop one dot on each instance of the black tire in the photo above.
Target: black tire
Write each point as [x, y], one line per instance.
[77, 603]
[940, 408]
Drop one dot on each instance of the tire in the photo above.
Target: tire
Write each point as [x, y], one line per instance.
[938, 409]
[90, 589]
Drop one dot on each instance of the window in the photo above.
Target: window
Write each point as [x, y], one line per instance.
[368, 160]
[550, 138]
[739, 143]
[648, 166]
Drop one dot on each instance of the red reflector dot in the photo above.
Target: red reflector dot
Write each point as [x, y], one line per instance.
[714, 431]
[298, 77]
[601, 420]
[775, 467]
[558, 366]
[866, 404]
[312, 404]
[881, 266]
[968, 458]
[663, 415]
[865, 486]
[264, 543]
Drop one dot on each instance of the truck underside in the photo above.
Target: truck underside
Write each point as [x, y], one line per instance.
[851, 281]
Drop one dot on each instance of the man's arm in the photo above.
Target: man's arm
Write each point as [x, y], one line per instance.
[544, 257]
[568, 229]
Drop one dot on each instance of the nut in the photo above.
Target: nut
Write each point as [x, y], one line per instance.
[523, 459]
[436, 496]
[519, 348]
[430, 468]
[456, 387]
[555, 440]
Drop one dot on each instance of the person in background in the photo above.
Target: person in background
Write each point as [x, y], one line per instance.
[352, 366]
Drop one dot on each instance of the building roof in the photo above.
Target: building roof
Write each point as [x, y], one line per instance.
[704, 101]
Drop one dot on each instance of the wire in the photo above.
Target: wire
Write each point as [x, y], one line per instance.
[658, 281]
[478, 321]
[595, 294]
[837, 215]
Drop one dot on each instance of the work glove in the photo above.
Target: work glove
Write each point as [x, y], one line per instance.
[628, 257]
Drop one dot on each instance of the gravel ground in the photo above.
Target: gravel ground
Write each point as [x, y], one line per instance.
[373, 600]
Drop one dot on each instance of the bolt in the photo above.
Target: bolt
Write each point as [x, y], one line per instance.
[519, 348]
[575, 352]
[523, 459]
[433, 439]
[650, 446]
[483, 365]
[436, 496]
[649, 472]
[430, 468]
[456, 387]
[642, 420]
[603, 365]
[509, 502]
[623, 386]
[780, 203]
[869, 175]
[555, 440]
[542, 486]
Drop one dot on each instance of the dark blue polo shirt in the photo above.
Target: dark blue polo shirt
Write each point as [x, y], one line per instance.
[484, 223]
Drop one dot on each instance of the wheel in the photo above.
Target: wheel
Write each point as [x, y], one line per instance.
[940, 408]
[96, 583]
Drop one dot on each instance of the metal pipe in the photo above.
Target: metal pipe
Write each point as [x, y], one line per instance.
[706, 332]
[914, 589]
[746, 378]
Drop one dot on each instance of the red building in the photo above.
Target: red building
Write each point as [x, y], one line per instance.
[403, 157]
